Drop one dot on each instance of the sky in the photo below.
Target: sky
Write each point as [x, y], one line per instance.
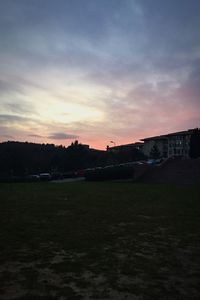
[98, 70]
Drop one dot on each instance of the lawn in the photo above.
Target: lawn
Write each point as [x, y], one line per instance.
[99, 240]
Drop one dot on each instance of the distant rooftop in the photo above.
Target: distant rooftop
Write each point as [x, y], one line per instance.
[137, 144]
[165, 136]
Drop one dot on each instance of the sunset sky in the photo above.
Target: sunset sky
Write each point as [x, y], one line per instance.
[98, 70]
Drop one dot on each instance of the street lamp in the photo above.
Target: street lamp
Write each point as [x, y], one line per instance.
[113, 143]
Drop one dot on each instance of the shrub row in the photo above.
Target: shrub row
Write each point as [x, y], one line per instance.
[109, 173]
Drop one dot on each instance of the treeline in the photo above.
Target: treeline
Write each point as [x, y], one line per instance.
[20, 159]
[195, 143]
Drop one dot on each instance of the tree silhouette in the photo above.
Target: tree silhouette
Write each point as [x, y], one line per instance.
[195, 144]
[155, 153]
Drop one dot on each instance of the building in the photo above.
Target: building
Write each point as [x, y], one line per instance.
[172, 144]
[126, 147]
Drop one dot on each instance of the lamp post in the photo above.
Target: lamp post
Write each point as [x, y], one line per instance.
[113, 143]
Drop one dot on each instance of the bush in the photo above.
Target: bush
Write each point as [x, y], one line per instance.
[109, 173]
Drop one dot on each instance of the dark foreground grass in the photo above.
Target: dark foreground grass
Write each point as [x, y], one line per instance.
[113, 240]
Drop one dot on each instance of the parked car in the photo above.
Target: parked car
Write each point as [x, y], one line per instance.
[33, 177]
[151, 161]
[56, 175]
[80, 173]
[45, 176]
[70, 174]
[154, 161]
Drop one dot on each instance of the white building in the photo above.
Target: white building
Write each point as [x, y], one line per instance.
[172, 144]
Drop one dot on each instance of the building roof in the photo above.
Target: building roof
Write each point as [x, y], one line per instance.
[137, 144]
[165, 136]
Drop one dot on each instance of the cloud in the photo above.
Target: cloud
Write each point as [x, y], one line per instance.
[36, 136]
[7, 136]
[19, 107]
[12, 118]
[6, 86]
[62, 136]
[189, 90]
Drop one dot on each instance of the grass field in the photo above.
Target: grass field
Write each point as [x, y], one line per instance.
[111, 240]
